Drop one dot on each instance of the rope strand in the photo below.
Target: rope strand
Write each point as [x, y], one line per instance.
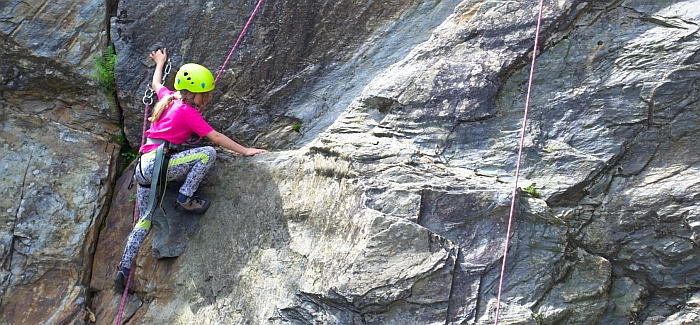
[517, 167]
[240, 37]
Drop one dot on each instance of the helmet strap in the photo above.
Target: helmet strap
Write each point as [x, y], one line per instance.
[187, 99]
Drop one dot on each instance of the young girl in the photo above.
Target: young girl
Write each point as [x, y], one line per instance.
[175, 117]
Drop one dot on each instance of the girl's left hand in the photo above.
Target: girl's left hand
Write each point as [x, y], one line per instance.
[160, 56]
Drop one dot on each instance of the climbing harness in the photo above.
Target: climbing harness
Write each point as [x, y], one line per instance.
[147, 101]
[517, 166]
[160, 171]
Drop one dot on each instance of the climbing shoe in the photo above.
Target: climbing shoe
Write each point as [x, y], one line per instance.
[195, 204]
[120, 280]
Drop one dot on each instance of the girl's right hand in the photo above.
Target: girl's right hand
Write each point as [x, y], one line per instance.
[254, 151]
[160, 56]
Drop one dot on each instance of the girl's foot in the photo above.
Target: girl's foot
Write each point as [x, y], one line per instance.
[194, 204]
[120, 280]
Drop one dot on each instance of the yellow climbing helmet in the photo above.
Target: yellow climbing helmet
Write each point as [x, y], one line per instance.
[195, 78]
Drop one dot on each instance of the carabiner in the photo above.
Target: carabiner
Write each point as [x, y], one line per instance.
[166, 72]
[148, 96]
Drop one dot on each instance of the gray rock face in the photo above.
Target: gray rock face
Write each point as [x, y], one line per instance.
[52, 198]
[391, 204]
[47, 61]
[67, 31]
[58, 161]
[172, 228]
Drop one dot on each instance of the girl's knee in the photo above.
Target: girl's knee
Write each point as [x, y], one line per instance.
[211, 152]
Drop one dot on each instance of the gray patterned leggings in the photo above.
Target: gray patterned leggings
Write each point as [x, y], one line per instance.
[191, 165]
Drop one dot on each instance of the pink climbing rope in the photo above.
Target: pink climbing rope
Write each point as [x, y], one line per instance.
[136, 217]
[240, 37]
[517, 166]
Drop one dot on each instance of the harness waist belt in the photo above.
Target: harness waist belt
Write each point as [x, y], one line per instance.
[161, 141]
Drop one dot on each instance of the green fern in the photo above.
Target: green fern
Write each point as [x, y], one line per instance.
[105, 71]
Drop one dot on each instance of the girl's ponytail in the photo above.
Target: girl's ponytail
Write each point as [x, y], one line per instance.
[162, 105]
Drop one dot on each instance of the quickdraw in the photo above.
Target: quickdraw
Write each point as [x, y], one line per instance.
[148, 94]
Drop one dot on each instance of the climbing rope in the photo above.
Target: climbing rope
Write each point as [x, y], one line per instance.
[517, 166]
[147, 101]
[240, 37]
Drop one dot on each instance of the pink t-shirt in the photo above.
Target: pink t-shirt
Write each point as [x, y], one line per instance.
[177, 123]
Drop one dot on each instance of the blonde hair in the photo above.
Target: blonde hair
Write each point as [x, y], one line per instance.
[163, 104]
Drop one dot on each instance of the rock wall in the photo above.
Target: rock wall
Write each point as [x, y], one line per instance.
[58, 161]
[391, 204]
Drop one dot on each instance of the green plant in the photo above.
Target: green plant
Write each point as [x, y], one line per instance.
[532, 191]
[297, 128]
[132, 197]
[129, 155]
[127, 151]
[105, 71]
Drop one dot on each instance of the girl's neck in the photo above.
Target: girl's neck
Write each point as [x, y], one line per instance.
[189, 100]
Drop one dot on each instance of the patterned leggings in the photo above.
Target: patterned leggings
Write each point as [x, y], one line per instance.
[191, 165]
